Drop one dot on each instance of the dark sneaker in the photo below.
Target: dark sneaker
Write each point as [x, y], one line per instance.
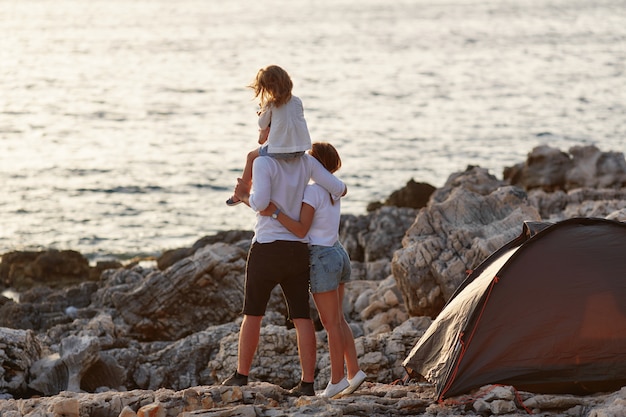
[303, 388]
[236, 379]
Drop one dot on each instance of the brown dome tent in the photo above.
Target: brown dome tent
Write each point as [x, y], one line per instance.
[545, 313]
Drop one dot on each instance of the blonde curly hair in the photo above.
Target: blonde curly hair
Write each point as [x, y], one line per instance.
[272, 85]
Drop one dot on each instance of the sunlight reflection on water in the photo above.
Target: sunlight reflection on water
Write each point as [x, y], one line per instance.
[125, 123]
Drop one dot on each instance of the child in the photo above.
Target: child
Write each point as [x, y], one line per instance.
[289, 135]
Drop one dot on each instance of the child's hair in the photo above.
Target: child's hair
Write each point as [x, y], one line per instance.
[272, 85]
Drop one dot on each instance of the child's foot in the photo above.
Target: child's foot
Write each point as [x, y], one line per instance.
[233, 201]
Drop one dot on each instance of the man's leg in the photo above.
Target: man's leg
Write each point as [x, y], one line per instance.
[294, 281]
[307, 347]
[249, 334]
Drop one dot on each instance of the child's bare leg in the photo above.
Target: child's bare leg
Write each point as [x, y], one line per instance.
[247, 170]
[246, 176]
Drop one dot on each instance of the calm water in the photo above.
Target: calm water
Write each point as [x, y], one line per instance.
[124, 123]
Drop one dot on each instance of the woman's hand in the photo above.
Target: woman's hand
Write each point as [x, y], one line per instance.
[269, 210]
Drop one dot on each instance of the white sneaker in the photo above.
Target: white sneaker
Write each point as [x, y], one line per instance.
[355, 383]
[333, 390]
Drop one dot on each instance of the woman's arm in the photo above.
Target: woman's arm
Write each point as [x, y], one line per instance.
[299, 228]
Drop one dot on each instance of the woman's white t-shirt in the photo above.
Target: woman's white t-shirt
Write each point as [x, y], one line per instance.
[324, 230]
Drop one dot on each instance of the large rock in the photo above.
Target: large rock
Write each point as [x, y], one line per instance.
[475, 179]
[19, 350]
[551, 169]
[453, 236]
[41, 308]
[64, 371]
[53, 268]
[596, 169]
[579, 202]
[178, 365]
[241, 238]
[377, 235]
[412, 195]
[192, 294]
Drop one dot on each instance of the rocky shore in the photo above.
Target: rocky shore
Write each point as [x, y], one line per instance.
[156, 337]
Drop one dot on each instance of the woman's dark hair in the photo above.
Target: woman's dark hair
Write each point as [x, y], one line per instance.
[328, 157]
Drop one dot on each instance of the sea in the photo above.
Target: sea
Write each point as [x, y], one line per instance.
[125, 123]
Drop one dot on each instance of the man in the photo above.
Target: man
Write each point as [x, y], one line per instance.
[277, 257]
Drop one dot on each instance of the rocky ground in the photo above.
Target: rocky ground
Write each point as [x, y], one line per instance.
[262, 399]
[156, 338]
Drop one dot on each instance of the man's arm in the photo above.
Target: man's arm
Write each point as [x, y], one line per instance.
[259, 197]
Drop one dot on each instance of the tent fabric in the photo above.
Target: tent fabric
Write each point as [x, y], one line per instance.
[545, 313]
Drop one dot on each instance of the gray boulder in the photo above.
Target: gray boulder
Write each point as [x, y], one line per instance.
[64, 371]
[453, 236]
[19, 350]
[195, 292]
[579, 202]
[377, 235]
[551, 169]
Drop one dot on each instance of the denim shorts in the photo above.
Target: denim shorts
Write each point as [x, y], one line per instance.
[330, 266]
[263, 152]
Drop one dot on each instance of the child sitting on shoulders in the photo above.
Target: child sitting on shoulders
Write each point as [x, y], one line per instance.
[289, 135]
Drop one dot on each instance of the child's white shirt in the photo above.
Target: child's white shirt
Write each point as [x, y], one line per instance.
[289, 132]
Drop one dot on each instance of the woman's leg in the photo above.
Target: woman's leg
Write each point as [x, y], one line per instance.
[349, 349]
[328, 306]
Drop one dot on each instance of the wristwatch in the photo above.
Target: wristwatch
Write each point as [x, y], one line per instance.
[275, 214]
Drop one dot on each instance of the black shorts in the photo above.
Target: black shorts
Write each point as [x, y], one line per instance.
[283, 263]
